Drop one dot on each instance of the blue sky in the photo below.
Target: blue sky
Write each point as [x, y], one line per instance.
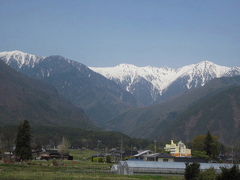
[108, 32]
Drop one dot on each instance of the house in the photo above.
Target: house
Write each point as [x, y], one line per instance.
[116, 155]
[178, 150]
[54, 154]
[142, 154]
[160, 157]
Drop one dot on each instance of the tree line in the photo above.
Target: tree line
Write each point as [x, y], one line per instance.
[192, 172]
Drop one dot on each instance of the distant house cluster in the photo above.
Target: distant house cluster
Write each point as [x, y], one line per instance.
[53, 154]
[176, 152]
[173, 161]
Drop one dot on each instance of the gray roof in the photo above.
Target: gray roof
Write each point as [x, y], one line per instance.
[159, 155]
[142, 153]
[169, 165]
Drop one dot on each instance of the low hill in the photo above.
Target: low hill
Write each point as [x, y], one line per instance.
[24, 98]
[45, 136]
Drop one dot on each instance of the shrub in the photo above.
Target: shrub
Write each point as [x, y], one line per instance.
[209, 174]
[229, 174]
[97, 159]
[108, 159]
[192, 171]
[100, 159]
[57, 162]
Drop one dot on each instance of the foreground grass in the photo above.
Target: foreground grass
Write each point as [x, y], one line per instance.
[81, 168]
[38, 170]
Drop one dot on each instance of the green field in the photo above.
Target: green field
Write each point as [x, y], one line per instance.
[81, 168]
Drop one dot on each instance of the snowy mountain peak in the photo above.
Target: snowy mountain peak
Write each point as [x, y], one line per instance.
[206, 62]
[20, 58]
[204, 68]
[130, 76]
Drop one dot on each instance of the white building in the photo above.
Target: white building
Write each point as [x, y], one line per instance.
[178, 150]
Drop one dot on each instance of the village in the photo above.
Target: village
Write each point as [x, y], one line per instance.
[171, 159]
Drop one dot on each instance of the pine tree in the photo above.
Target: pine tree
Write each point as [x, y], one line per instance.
[208, 144]
[23, 149]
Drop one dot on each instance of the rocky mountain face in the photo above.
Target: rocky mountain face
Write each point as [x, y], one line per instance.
[102, 99]
[151, 85]
[23, 98]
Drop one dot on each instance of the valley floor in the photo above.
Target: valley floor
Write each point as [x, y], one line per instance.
[71, 170]
[67, 170]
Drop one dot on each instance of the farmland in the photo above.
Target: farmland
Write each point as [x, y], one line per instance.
[81, 168]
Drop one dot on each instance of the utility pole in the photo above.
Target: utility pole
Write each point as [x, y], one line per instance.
[155, 145]
[121, 148]
[98, 143]
[131, 150]
[155, 149]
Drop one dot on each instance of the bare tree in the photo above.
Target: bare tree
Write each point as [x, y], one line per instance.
[63, 148]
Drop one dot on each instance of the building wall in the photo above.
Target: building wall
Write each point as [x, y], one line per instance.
[178, 150]
[165, 160]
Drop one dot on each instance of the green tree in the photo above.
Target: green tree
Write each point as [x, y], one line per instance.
[209, 174]
[200, 154]
[108, 159]
[23, 149]
[192, 171]
[208, 145]
[198, 143]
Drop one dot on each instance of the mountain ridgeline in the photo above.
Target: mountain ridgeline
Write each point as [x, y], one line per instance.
[152, 85]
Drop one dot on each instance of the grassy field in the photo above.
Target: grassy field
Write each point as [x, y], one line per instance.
[81, 168]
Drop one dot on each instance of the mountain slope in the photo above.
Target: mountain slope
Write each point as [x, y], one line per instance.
[159, 84]
[219, 113]
[101, 98]
[149, 122]
[24, 98]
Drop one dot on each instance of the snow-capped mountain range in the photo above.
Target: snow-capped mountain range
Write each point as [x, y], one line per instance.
[160, 81]
[147, 84]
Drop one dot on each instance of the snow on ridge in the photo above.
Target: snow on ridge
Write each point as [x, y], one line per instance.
[21, 58]
[162, 77]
